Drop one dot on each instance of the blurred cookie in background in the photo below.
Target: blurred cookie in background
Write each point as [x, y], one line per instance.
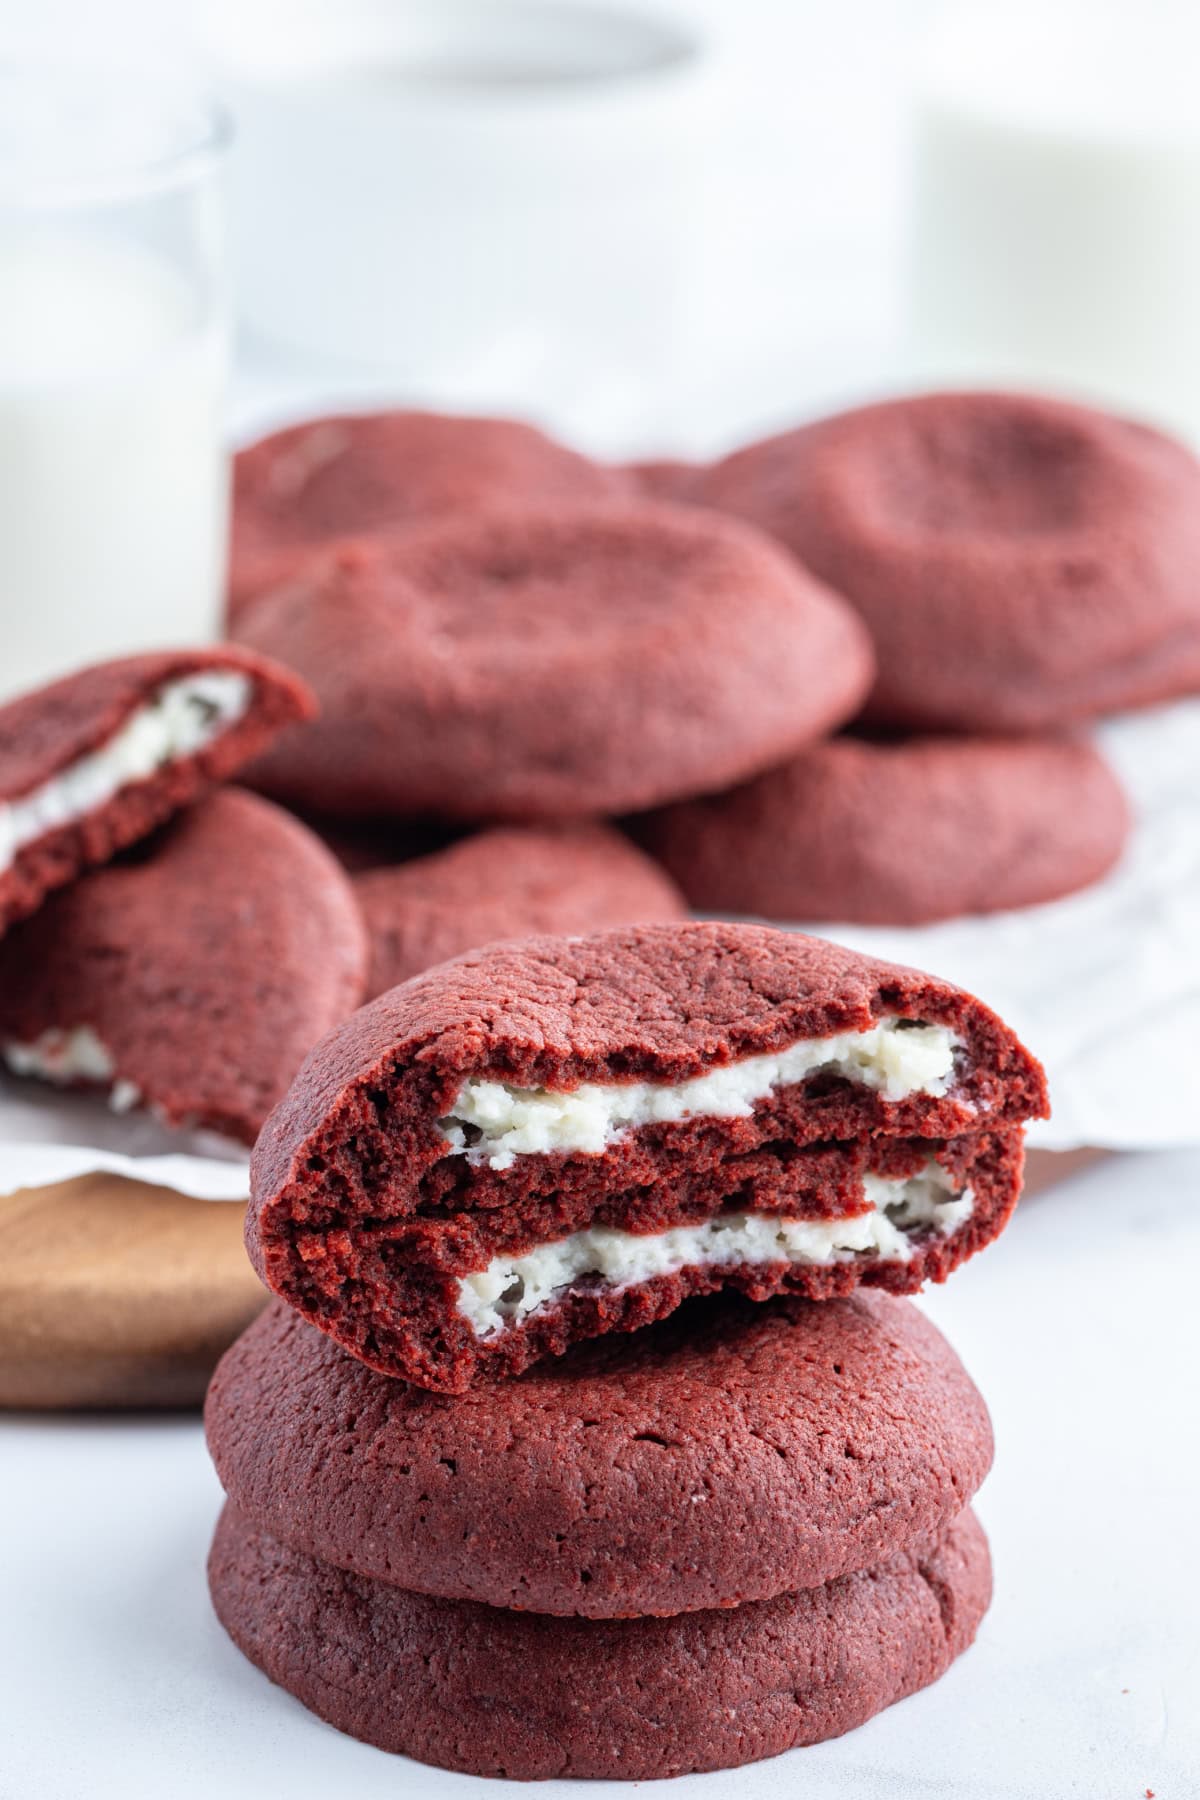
[358, 474]
[95, 761]
[362, 844]
[511, 882]
[532, 663]
[664, 478]
[192, 975]
[1021, 563]
[898, 832]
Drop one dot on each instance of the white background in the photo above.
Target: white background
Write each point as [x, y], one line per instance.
[1078, 1325]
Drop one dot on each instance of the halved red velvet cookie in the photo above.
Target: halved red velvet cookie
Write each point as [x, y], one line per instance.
[1020, 562]
[546, 1140]
[192, 974]
[513, 1694]
[340, 477]
[729, 1453]
[899, 831]
[95, 761]
[506, 883]
[552, 663]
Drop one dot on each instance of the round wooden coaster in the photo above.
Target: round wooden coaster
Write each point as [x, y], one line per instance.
[116, 1294]
[1046, 1168]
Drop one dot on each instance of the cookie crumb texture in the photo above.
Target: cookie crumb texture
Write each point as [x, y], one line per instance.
[95, 762]
[375, 1197]
[506, 1693]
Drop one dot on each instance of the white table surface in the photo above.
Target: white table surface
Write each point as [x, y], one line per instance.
[1079, 1327]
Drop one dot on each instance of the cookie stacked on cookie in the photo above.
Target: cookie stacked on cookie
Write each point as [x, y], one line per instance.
[504, 633]
[173, 943]
[1023, 565]
[587, 1442]
[739, 1531]
[838, 674]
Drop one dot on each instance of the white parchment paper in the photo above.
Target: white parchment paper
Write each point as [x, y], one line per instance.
[48, 1136]
[1104, 986]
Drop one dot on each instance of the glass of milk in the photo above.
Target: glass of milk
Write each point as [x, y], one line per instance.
[518, 187]
[1056, 217]
[113, 350]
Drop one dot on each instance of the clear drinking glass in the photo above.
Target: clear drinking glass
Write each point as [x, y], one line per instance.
[113, 353]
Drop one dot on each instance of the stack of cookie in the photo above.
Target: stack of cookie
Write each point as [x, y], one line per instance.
[587, 1435]
[741, 1531]
[836, 675]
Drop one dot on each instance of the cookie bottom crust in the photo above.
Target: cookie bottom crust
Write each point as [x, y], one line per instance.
[490, 1692]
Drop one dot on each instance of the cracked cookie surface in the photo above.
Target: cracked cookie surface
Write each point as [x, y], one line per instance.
[732, 1452]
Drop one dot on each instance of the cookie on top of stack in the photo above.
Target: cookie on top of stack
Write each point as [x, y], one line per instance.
[584, 1442]
[610, 1119]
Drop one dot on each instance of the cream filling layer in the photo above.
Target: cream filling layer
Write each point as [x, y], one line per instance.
[72, 1058]
[513, 1287]
[492, 1122]
[182, 718]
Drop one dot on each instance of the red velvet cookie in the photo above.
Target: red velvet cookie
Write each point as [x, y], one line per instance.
[342, 477]
[1020, 562]
[546, 1140]
[899, 832]
[510, 1694]
[558, 662]
[192, 974]
[95, 761]
[506, 883]
[665, 478]
[363, 844]
[729, 1453]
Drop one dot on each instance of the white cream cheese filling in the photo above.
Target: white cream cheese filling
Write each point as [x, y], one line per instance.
[512, 1287]
[70, 1058]
[495, 1123]
[182, 718]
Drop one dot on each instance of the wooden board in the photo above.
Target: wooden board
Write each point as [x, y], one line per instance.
[1045, 1168]
[117, 1294]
